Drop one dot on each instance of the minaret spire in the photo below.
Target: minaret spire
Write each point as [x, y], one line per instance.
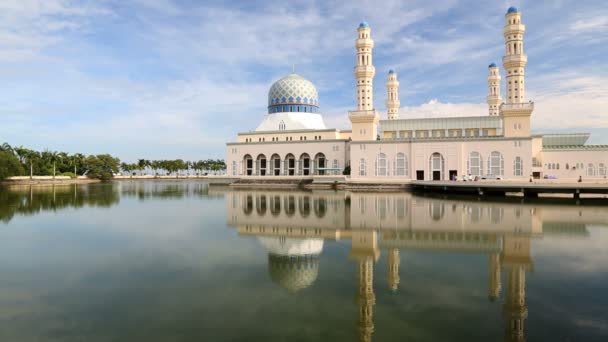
[494, 99]
[392, 101]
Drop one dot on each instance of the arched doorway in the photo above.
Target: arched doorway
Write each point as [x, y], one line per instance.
[248, 165]
[290, 165]
[320, 163]
[261, 165]
[275, 165]
[436, 166]
[305, 164]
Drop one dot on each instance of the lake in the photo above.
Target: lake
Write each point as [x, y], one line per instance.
[182, 261]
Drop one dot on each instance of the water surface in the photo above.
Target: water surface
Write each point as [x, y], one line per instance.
[180, 261]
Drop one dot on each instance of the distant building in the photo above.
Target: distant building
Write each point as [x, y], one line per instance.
[292, 139]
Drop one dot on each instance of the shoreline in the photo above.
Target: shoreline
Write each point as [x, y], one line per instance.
[550, 188]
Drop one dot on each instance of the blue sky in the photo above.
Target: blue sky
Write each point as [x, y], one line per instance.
[178, 78]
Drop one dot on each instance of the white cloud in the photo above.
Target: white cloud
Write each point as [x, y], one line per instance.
[438, 109]
[596, 24]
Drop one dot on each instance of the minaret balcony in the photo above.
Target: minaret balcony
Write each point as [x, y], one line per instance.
[365, 71]
[364, 43]
[518, 60]
[514, 29]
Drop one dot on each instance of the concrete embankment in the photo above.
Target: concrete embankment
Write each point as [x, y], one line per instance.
[46, 180]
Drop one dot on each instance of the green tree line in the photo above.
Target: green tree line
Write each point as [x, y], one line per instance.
[21, 161]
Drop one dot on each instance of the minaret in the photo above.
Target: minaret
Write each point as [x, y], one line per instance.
[516, 112]
[514, 60]
[393, 269]
[494, 99]
[365, 119]
[364, 71]
[392, 89]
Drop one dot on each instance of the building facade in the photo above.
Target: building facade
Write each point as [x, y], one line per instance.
[292, 139]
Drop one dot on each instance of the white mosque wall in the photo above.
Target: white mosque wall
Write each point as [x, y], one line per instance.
[572, 164]
[456, 156]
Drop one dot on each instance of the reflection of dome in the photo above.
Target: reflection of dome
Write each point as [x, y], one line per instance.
[293, 263]
[293, 93]
[291, 247]
[293, 273]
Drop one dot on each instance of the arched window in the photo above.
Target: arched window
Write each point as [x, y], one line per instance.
[590, 170]
[518, 167]
[381, 169]
[475, 164]
[436, 166]
[401, 165]
[496, 165]
[602, 170]
[362, 167]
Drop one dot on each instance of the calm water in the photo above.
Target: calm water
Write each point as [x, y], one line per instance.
[177, 261]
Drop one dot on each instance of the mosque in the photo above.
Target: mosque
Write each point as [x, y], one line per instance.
[293, 140]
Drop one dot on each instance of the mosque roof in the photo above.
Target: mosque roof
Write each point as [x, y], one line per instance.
[364, 24]
[292, 89]
[512, 9]
[492, 65]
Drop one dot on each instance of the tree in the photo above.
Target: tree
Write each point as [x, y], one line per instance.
[9, 165]
[102, 166]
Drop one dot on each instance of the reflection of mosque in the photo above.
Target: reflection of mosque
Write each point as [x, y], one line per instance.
[292, 227]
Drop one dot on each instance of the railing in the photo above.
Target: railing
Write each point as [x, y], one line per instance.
[510, 106]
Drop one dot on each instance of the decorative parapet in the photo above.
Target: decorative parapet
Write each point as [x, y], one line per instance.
[364, 116]
[517, 108]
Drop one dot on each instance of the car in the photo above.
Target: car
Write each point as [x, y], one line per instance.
[491, 177]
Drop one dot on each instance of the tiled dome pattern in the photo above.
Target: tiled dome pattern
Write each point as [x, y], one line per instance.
[293, 93]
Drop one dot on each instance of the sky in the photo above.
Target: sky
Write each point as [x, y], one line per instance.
[167, 79]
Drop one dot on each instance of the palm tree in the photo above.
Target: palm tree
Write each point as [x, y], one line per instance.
[77, 159]
[53, 158]
[141, 164]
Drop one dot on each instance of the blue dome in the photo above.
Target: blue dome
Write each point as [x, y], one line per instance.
[493, 65]
[512, 9]
[293, 93]
[391, 71]
[363, 24]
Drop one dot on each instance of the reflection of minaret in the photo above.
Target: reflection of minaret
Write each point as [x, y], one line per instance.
[393, 269]
[494, 270]
[516, 259]
[365, 250]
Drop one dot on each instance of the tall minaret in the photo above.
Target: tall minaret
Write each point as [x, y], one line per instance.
[514, 60]
[364, 71]
[365, 119]
[516, 112]
[392, 89]
[494, 99]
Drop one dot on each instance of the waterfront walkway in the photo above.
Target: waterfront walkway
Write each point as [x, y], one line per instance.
[501, 188]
